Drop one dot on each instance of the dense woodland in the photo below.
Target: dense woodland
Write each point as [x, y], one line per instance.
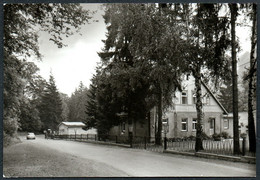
[148, 51]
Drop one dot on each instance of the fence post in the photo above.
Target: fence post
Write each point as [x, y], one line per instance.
[116, 139]
[165, 143]
[244, 146]
[95, 137]
[87, 136]
[144, 142]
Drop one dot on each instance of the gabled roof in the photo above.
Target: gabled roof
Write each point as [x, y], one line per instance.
[225, 111]
[73, 124]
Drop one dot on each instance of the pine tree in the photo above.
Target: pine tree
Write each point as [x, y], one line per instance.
[51, 106]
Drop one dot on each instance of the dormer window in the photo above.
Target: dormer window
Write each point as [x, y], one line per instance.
[184, 97]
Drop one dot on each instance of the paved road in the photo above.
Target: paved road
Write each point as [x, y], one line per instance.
[101, 160]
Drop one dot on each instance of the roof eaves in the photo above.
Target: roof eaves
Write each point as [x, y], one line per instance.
[222, 107]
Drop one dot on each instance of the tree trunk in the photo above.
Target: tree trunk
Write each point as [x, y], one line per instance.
[233, 9]
[158, 140]
[198, 144]
[251, 124]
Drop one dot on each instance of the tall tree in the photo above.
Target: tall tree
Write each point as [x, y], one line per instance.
[76, 104]
[207, 42]
[225, 96]
[21, 42]
[136, 49]
[65, 108]
[91, 107]
[251, 80]
[234, 12]
[51, 106]
[32, 91]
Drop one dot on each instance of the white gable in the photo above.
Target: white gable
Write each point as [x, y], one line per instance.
[184, 101]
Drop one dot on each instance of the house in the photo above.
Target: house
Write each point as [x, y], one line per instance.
[243, 121]
[180, 119]
[68, 128]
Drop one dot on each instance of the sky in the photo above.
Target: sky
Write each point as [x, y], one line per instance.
[77, 62]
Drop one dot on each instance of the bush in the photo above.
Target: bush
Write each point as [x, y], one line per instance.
[192, 138]
[225, 135]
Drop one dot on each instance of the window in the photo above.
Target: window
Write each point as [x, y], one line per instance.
[212, 123]
[184, 97]
[194, 99]
[194, 124]
[165, 120]
[184, 124]
[207, 99]
[226, 124]
[123, 126]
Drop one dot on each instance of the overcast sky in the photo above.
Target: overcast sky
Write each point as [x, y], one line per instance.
[77, 62]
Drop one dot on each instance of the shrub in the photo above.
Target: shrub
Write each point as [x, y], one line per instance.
[192, 138]
[225, 135]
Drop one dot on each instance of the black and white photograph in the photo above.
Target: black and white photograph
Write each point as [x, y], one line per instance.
[129, 90]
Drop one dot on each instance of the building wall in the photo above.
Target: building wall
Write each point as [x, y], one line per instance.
[139, 129]
[211, 109]
[228, 129]
[178, 111]
[65, 130]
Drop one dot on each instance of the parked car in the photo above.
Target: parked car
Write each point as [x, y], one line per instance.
[30, 135]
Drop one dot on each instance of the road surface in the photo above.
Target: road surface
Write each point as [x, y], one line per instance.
[61, 158]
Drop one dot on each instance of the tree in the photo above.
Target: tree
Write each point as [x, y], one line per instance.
[22, 23]
[225, 96]
[206, 43]
[77, 103]
[65, 108]
[91, 107]
[234, 10]
[51, 106]
[251, 79]
[32, 91]
[137, 56]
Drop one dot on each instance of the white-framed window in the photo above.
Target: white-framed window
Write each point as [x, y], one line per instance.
[226, 123]
[184, 124]
[165, 120]
[194, 99]
[184, 97]
[194, 124]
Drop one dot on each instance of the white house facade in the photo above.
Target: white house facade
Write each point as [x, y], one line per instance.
[72, 128]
